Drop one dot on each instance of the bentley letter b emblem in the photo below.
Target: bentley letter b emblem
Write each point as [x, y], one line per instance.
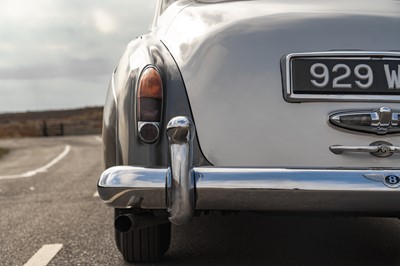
[392, 181]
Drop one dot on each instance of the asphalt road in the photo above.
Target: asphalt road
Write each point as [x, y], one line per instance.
[46, 204]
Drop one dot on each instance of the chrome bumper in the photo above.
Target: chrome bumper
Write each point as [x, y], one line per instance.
[182, 188]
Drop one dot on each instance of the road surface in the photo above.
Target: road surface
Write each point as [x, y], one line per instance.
[50, 214]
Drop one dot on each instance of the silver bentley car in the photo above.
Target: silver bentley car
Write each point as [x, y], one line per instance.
[268, 106]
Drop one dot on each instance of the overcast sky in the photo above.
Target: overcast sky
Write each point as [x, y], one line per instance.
[59, 54]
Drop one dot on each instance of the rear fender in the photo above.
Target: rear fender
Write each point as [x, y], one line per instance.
[129, 150]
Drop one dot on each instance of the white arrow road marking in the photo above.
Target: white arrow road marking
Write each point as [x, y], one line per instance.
[41, 169]
[44, 255]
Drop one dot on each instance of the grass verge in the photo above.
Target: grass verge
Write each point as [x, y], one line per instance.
[3, 152]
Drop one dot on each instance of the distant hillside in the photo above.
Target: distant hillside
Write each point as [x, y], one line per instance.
[52, 123]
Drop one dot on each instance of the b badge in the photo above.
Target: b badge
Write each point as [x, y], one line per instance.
[392, 181]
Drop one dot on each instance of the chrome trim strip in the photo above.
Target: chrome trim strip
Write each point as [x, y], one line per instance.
[287, 179]
[293, 190]
[291, 97]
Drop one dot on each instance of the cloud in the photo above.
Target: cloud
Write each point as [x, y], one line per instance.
[69, 68]
[80, 29]
[25, 10]
[57, 93]
[104, 21]
[77, 41]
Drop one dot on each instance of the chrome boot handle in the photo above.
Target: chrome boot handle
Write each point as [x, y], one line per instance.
[378, 149]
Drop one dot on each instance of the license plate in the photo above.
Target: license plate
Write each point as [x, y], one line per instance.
[343, 76]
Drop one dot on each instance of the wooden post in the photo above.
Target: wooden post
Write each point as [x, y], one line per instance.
[44, 129]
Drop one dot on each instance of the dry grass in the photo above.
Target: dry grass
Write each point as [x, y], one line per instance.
[3, 152]
[30, 124]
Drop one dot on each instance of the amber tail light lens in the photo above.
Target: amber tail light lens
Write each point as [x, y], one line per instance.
[149, 105]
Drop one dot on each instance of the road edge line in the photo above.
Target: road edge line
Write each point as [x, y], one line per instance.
[41, 169]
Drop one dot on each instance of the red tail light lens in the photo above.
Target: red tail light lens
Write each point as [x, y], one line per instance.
[149, 96]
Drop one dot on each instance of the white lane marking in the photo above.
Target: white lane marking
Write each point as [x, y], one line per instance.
[41, 169]
[96, 194]
[99, 139]
[44, 255]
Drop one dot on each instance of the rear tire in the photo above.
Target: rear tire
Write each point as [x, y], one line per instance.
[143, 245]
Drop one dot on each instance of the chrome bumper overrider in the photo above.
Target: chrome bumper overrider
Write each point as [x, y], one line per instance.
[182, 188]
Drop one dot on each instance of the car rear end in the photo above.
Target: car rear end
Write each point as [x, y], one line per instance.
[294, 107]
